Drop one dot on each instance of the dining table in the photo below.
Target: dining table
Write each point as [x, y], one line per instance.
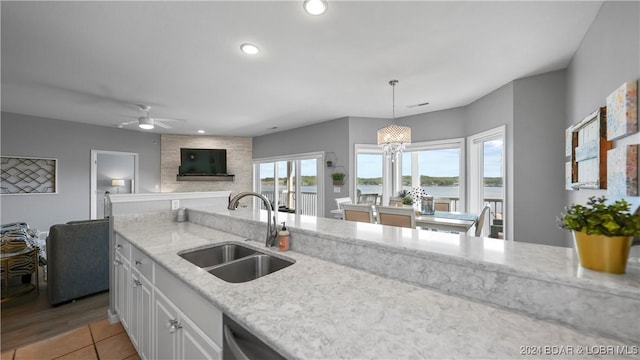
[447, 221]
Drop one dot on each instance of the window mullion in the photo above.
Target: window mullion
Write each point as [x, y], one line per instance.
[415, 169]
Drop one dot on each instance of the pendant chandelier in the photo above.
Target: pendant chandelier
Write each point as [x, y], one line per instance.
[394, 137]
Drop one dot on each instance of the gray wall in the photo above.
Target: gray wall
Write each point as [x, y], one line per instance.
[329, 136]
[71, 143]
[492, 110]
[538, 161]
[608, 56]
[437, 125]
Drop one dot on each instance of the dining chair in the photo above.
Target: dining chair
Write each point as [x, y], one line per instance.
[358, 212]
[481, 219]
[339, 203]
[395, 201]
[397, 216]
[371, 199]
[344, 200]
[442, 204]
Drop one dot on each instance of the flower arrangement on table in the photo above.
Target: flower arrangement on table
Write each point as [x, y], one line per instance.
[416, 194]
[405, 198]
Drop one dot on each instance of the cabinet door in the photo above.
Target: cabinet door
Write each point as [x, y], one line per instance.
[134, 310]
[145, 317]
[195, 344]
[122, 276]
[165, 337]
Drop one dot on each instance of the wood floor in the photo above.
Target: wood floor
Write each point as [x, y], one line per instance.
[28, 319]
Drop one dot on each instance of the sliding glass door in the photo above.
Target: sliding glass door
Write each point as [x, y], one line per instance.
[293, 184]
[487, 177]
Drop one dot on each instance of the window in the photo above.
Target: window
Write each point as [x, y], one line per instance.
[438, 168]
[371, 167]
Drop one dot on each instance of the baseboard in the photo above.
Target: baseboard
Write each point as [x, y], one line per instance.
[113, 318]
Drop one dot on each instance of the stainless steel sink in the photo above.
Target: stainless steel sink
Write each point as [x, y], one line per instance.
[217, 255]
[250, 268]
[235, 263]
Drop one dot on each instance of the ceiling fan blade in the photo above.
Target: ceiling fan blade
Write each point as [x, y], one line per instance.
[165, 119]
[161, 124]
[128, 123]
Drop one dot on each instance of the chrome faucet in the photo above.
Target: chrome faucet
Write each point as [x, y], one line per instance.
[272, 232]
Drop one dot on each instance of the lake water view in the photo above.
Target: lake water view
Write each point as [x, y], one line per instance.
[490, 192]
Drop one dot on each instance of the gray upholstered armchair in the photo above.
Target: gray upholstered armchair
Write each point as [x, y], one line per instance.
[77, 260]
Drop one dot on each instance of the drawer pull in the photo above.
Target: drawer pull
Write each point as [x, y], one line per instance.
[173, 325]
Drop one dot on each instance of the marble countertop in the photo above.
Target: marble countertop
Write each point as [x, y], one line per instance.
[557, 264]
[318, 309]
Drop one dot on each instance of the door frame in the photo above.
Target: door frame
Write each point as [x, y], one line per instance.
[94, 201]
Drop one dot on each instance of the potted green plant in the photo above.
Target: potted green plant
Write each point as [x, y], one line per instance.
[602, 233]
[407, 200]
[338, 178]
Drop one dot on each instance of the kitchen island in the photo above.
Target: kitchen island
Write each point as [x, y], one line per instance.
[318, 308]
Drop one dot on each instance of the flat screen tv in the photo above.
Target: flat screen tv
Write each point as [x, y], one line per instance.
[203, 161]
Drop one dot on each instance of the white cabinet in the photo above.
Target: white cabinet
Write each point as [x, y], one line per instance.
[177, 337]
[164, 318]
[195, 344]
[141, 320]
[142, 293]
[165, 339]
[122, 276]
[134, 295]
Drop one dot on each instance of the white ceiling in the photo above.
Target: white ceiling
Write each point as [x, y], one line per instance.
[92, 62]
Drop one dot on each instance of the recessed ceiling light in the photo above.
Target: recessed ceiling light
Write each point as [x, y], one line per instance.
[200, 131]
[249, 49]
[315, 7]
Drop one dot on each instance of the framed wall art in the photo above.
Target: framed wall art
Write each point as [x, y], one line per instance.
[622, 111]
[622, 175]
[567, 176]
[28, 175]
[589, 148]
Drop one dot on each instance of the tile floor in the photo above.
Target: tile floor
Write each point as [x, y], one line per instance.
[99, 340]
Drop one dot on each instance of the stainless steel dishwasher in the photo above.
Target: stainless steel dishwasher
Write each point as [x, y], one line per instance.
[240, 344]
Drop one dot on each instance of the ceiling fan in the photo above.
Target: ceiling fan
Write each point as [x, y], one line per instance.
[148, 122]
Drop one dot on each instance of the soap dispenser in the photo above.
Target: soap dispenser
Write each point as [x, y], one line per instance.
[283, 238]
